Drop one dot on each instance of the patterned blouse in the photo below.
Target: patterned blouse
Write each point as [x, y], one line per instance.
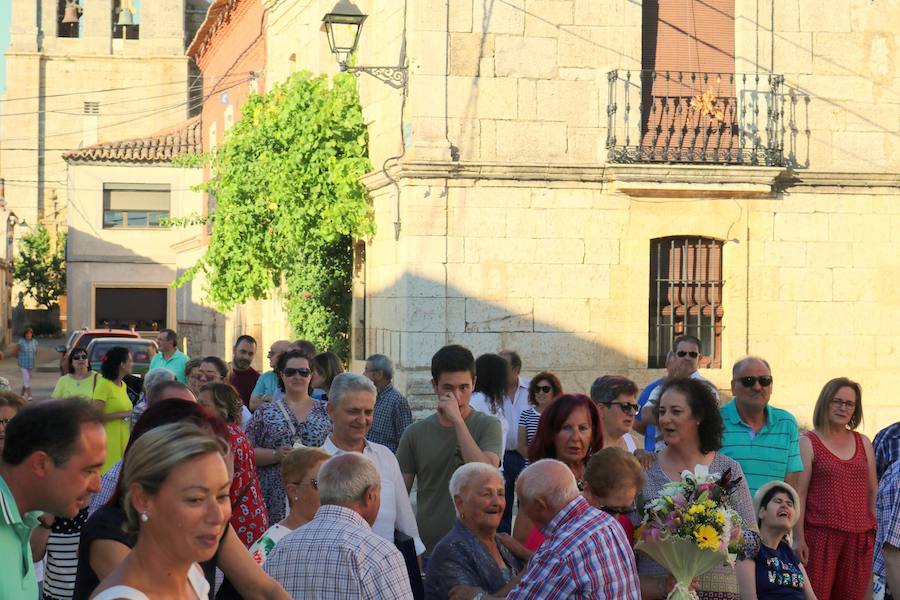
[249, 516]
[269, 429]
[27, 352]
[721, 582]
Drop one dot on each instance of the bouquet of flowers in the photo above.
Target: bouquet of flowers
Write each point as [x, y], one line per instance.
[691, 528]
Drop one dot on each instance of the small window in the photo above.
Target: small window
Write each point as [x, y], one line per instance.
[685, 296]
[135, 205]
[228, 117]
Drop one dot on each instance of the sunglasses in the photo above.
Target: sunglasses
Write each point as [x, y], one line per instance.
[289, 372]
[749, 382]
[313, 482]
[79, 356]
[615, 511]
[683, 353]
[544, 389]
[5, 422]
[625, 407]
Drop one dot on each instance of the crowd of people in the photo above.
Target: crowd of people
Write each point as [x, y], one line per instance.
[308, 481]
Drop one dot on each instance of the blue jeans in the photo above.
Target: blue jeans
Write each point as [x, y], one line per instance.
[513, 463]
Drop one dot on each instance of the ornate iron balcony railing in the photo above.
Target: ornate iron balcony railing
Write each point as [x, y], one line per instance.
[695, 117]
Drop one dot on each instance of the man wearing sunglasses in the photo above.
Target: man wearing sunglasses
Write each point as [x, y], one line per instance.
[762, 438]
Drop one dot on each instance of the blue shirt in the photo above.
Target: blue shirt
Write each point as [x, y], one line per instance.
[17, 578]
[767, 455]
[650, 431]
[266, 385]
[27, 352]
[888, 509]
[175, 363]
[887, 448]
[778, 574]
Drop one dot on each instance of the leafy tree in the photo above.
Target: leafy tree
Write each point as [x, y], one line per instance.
[41, 266]
[289, 201]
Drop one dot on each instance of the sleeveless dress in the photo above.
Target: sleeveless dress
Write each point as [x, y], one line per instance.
[124, 592]
[838, 525]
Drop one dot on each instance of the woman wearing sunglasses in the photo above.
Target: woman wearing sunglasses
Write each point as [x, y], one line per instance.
[616, 397]
[300, 472]
[79, 380]
[543, 389]
[293, 421]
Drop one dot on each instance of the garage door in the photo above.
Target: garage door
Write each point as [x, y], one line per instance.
[119, 307]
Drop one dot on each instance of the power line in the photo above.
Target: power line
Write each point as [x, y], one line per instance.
[215, 90]
[101, 91]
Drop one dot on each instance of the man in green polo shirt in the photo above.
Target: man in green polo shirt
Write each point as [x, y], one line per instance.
[762, 438]
[169, 356]
[51, 463]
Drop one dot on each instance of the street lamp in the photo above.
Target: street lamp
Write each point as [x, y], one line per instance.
[343, 26]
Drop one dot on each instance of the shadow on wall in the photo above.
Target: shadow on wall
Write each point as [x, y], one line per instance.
[413, 317]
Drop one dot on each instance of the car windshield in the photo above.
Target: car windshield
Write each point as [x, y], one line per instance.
[141, 352]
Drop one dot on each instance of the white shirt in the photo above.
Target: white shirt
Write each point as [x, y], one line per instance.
[512, 408]
[480, 402]
[195, 578]
[395, 511]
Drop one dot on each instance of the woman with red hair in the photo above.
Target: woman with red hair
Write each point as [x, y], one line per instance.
[570, 432]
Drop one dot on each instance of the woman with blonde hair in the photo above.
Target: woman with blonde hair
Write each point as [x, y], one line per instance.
[177, 505]
[835, 532]
[300, 473]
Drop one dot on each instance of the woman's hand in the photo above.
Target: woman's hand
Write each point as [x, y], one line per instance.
[515, 546]
[645, 458]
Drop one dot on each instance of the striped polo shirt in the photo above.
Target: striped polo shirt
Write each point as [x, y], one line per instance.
[765, 456]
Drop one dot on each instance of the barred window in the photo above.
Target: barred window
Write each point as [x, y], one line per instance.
[685, 296]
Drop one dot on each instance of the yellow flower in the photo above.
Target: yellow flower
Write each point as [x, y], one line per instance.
[707, 538]
[696, 509]
[720, 518]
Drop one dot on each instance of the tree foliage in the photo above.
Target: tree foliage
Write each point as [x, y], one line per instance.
[40, 266]
[288, 202]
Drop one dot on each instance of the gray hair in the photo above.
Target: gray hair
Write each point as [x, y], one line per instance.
[153, 378]
[347, 383]
[466, 474]
[549, 479]
[382, 363]
[740, 364]
[344, 479]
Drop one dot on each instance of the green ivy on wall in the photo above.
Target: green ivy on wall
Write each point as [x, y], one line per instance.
[289, 202]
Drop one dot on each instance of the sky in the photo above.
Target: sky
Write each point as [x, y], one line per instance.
[5, 10]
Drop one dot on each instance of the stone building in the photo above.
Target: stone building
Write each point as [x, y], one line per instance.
[581, 180]
[82, 77]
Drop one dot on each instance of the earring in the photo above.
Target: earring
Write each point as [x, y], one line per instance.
[144, 517]
[296, 499]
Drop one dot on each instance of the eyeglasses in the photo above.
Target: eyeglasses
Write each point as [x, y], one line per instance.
[5, 422]
[683, 353]
[289, 372]
[749, 382]
[615, 511]
[544, 389]
[625, 407]
[313, 482]
[838, 403]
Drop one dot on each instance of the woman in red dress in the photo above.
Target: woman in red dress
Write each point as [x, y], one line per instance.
[249, 516]
[835, 535]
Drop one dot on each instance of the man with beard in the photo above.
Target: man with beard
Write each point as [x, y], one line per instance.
[243, 376]
[51, 464]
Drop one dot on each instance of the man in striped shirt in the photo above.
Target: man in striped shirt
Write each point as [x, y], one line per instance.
[586, 553]
[762, 438]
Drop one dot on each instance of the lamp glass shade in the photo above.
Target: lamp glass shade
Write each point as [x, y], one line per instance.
[343, 25]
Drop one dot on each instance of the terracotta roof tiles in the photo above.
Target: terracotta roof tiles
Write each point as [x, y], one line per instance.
[162, 146]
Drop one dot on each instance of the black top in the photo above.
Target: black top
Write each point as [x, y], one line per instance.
[106, 524]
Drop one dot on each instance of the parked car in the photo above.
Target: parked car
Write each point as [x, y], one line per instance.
[142, 352]
[83, 337]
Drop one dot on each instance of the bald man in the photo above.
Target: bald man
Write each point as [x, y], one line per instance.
[267, 385]
[586, 553]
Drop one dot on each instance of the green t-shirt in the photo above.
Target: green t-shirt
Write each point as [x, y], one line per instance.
[175, 364]
[429, 451]
[69, 387]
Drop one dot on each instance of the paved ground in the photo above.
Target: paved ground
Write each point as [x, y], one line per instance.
[44, 376]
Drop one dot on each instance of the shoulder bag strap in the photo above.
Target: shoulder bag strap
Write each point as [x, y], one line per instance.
[287, 418]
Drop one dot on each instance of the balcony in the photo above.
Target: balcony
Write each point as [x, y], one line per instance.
[681, 117]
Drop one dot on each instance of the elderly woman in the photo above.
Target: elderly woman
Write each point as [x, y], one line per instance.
[611, 481]
[570, 432]
[838, 481]
[692, 429]
[153, 378]
[300, 472]
[769, 568]
[472, 555]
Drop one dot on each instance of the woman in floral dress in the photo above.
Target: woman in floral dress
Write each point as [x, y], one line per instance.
[293, 421]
